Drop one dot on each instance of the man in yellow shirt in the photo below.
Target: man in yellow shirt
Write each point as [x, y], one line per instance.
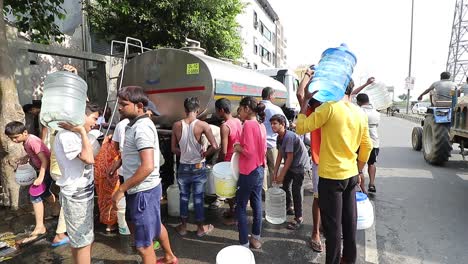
[344, 131]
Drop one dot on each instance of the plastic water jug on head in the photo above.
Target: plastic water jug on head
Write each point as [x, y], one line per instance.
[333, 73]
[64, 99]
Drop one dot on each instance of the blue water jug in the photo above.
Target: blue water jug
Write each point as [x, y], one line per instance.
[333, 74]
[64, 99]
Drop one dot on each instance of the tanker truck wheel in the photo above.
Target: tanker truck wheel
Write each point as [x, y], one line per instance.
[436, 141]
[416, 138]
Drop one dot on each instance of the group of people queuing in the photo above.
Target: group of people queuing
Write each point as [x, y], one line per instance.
[126, 170]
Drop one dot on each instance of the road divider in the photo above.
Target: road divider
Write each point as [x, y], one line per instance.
[410, 117]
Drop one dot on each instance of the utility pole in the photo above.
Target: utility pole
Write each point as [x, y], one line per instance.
[410, 56]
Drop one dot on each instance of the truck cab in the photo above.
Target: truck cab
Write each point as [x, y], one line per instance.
[291, 81]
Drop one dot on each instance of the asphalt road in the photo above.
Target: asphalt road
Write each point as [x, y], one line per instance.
[420, 218]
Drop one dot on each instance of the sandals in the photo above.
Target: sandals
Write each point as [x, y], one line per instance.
[64, 241]
[371, 188]
[290, 211]
[295, 225]
[210, 228]
[316, 246]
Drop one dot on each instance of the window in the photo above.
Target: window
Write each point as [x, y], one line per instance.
[265, 31]
[255, 20]
[255, 51]
[265, 54]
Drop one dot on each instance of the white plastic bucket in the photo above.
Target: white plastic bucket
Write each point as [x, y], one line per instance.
[235, 255]
[225, 184]
[365, 211]
[25, 174]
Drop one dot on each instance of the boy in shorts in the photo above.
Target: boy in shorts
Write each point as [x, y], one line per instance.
[39, 158]
[142, 184]
[75, 158]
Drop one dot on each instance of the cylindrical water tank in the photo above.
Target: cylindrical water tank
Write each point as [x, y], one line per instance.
[333, 74]
[64, 99]
[275, 205]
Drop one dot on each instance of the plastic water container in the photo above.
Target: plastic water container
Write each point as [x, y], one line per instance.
[210, 185]
[365, 211]
[333, 73]
[275, 205]
[173, 200]
[64, 99]
[25, 174]
[235, 255]
[225, 182]
[379, 96]
[123, 228]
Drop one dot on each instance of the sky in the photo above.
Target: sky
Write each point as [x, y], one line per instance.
[377, 32]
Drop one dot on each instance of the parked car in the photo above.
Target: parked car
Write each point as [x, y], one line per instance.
[420, 108]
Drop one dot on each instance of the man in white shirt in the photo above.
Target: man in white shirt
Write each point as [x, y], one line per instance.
[373, 119]
[74, 154]
[268, 95]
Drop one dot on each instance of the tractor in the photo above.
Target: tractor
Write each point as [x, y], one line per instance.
[442, 126]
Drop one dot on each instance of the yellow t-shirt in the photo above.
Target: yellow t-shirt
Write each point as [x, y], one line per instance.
[344, 131]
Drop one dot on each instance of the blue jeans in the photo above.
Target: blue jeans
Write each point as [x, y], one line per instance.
[249, 187]
[189, 175]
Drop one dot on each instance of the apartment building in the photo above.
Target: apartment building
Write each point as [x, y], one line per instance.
[263, 47]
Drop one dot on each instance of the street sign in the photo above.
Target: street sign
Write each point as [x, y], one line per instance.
[390, 89]
[409, 83]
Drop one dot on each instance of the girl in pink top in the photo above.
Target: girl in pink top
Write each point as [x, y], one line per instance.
[252, 147]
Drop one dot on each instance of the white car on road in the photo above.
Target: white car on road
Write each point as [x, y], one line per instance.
[420, 108]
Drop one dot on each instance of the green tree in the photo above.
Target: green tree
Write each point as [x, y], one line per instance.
[166, 23]
[37, 18]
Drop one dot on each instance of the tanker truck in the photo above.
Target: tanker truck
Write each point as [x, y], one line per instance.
[168, 76]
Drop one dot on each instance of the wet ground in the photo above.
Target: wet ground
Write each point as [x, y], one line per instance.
[280, 245]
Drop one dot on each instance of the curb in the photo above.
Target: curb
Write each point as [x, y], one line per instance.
[414, 119]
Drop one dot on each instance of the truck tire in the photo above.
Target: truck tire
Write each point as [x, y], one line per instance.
[436, 141]
[416, 138]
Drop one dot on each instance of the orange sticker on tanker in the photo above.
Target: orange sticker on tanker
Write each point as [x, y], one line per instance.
[193, 68]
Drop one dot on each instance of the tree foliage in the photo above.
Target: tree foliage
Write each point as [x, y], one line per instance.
[166, 23]
[37, 18]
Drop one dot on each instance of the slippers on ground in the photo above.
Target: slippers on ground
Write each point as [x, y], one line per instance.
[180, 232]
[371, 188]
[31, 239]
[161, 261]
[295, 225]
[62, 242]
[316, 246]
[210, 228]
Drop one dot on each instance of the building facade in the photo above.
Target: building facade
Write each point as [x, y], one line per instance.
[259, 32]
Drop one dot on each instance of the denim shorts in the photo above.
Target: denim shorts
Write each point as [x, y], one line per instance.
[144, 213]
[47, 192]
